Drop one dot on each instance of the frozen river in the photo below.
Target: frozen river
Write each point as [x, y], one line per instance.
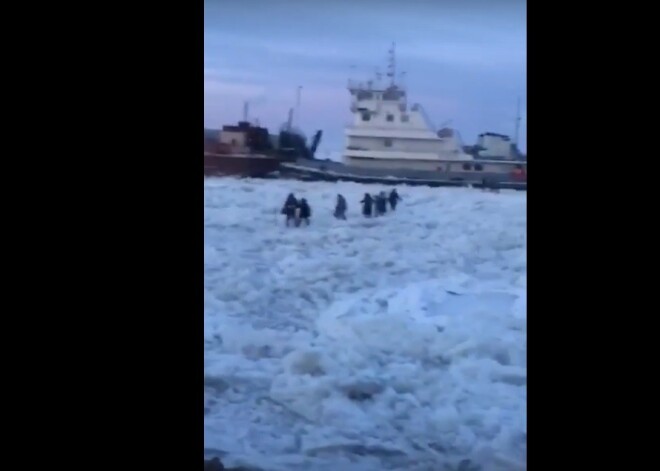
[390, 343]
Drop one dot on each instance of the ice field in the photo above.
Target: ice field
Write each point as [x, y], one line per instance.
[387, 343]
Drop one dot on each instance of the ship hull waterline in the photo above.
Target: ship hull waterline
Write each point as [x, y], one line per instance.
[334, 171]
[216, 165]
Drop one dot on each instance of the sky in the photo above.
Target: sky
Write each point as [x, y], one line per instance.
[464, 61]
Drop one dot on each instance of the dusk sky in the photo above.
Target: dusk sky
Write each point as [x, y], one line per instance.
[465, 61]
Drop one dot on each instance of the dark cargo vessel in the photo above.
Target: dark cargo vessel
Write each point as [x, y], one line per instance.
[251, 151]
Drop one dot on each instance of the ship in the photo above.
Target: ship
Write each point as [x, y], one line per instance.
[249, 150]
[391, 141]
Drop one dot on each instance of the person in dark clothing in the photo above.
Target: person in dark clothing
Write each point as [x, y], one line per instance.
[394, 199]
[381, 204]
[374, 199]
[304, 213]
[341, 207]
[289, 209]
[367, 204]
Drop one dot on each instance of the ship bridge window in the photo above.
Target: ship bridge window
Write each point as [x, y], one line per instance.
[391, 94]
[478, 167]
[390, 117]
[467, 167]
[405, 118]
[387, 142]
[366, 116]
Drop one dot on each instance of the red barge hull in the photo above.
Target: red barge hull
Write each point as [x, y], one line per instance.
[245, 165]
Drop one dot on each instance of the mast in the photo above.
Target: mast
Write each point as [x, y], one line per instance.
[298, 90]
[289, 121]
[246, 105]
[391, 66]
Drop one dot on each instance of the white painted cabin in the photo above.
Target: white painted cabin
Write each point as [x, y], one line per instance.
[386, 133]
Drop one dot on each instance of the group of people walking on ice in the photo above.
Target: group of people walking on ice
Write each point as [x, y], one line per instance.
[296, 211]
[299, 211]
[377, 204]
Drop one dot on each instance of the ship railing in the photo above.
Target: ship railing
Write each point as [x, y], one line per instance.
[459, 139]
[359, 85]
[425, 116]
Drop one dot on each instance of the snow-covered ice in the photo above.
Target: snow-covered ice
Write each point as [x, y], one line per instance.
[391, 343]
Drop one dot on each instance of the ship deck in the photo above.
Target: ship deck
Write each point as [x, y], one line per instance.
[325, 170]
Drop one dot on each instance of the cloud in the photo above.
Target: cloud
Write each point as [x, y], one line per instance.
[466, 64]
[233, 89]
[497, 56]
[232, 74]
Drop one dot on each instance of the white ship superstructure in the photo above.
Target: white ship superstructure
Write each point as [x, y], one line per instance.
[387, 133]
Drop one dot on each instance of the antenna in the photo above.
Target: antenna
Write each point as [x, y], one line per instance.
[246, 107]
[298, 105]
[515, 139]
[391, 66]
[289, 120]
